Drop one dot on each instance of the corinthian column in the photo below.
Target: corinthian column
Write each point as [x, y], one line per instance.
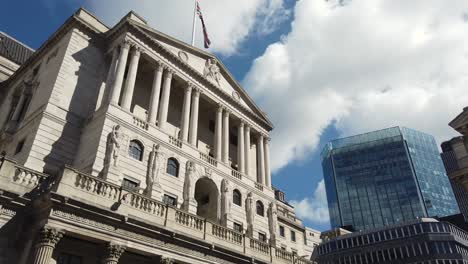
[218, 133]
[119, 74]
[260, 160]
[113, 253]
[267, 162]
[131, 78]
[155, 92]
[111, 72]
[226, 136]
[48, 239]
[194, 119]
[240, 147]
[165, 99]
[186, 113]
[247, 149]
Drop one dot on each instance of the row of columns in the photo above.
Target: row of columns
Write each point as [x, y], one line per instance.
[243, 147]
[158, 111]
[161, 87]
[50, 236]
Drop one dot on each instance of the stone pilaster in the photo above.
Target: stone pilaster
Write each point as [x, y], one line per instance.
[119, 74]
[267, 162]
[155, 92]
[218, 134]
[186, 113]
[240, 148]
[165, 99]
[226, 136]
[131, 78]
[48, 239]
[113, 253]
[247, 149]
[194, 118]
[111, 72]
[260, 160]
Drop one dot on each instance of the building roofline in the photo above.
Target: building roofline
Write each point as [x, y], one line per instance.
[17, 41]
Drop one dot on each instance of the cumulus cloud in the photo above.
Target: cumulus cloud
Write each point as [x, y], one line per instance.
[363, 65]
[314, 209]
[228, 22]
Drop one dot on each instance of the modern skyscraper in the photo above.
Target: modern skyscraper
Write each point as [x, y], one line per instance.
[384, 177]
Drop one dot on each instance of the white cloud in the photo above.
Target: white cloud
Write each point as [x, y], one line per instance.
[228, 22]
[315, 209]
[363, 65]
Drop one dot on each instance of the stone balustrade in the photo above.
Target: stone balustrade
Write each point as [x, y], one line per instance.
[207, 158]
[175, 141]
[17, 178]
[236, 174]
[189, 220]
[283, 254]
[27, 177]
[97, 186]
[227, 234]
[140, 123]
[145, 204]
[259, 246]
[259, 186]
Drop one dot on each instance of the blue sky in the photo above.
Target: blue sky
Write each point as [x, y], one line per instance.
[320, 70]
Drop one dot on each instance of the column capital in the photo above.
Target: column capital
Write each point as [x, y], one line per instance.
[247, 126]
[50, 236]
[189, 87]
[126, 43]
[169, 71]
[160, 66]
[197, 91]
[227, 111]
[220, 107]
[114, 252]
[137, 50]
[242, 123]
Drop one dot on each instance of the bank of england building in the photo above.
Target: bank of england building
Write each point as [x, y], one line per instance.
[124, 145]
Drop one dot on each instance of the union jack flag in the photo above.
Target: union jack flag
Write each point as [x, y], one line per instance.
[206, 39]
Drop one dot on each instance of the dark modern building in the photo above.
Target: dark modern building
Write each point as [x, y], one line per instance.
[425, 240]
[449, 157]
[384, 177]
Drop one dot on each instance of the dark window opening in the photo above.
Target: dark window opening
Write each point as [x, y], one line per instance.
[172, 167]
[65, 258]
[281, 231]
[135, 150]
[238, 227]
[262, 237]
[212, 125]
[237, 197]
[260, 209]
[170, 200]
[293, 236]
[19, 146]
[130, 185]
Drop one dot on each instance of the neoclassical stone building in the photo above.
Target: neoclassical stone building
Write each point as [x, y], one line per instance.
[125, 145]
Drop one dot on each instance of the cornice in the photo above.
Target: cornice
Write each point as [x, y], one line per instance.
[130, 27]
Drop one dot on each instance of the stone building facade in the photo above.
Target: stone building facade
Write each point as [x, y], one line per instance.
[125, 145]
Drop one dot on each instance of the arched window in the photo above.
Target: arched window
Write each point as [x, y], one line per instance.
[237, 197]
[260, 210]
[172, 167]
[135, 150]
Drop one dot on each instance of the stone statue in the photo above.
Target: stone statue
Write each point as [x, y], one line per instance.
[187, 192]
[225, 201]
[111, 158]
[272, 222]
[249, 210]
[155, 163]
[212, 70]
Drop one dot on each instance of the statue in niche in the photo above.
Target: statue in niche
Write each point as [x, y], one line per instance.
[113, 147]
[225, 201]
[272, 221]
[187, 191]
[249, 210]
[155, 163]
[211, 71]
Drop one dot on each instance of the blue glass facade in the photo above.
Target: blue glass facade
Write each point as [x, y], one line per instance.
[385, 177]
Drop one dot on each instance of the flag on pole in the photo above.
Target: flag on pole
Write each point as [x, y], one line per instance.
[206, 39]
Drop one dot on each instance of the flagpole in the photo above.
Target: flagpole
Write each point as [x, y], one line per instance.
[194, 23]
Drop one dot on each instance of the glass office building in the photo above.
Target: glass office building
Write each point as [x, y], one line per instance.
[385, 177]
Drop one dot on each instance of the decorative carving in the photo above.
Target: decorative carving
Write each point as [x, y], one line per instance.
[113, 146]
[167, 260]
[49, 236]
[113, 253]
[183, 56]
[225, 201]
[236, 95]
[187, 192]
[249, 209]
[155, 164]
[208, 172]
[272, 221]
[211, 71]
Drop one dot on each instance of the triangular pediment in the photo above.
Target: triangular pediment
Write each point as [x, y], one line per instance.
[206, 65]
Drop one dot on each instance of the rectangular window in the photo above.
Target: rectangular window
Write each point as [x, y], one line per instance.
[65, 258]
[130, 184]
[211, 126]
[262, 237]
[170, 200]
[281, 231]
[19, 146]
[238, 227]
[293, 236]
